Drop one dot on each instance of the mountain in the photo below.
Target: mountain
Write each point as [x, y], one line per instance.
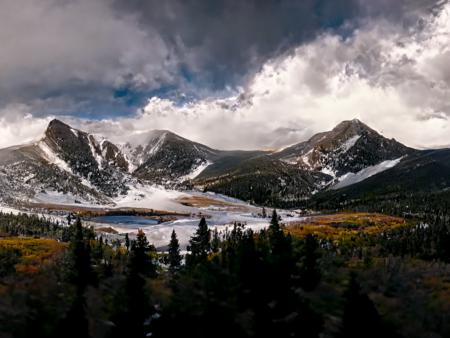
[349, 148]
[98, 161]
[70, 164]
[349, 153]
[65, 164]
[166, 157]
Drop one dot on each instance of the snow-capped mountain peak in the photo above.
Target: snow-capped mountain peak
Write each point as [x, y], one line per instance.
[89, 167]
[348, 148]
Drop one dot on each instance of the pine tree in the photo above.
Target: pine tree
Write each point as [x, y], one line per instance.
[127, 242]
[199, 244]
[76, 323]
[274, 226]
[174, 256]
[308, 268]
[134, 308]
[141, 259]
[361, 318]
[280, 245]
[215, 241]
[81, 254]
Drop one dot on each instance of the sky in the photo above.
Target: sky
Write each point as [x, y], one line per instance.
[233, 74]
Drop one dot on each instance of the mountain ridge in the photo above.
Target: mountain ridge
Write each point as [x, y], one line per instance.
[95, 169]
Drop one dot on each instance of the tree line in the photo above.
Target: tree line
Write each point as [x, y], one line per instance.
[237, 283]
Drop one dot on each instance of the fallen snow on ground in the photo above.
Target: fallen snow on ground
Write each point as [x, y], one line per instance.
[159, 234]
[217, 217]
[221, 212]
[8, 210]
[151, 197]
[56, 197]
[54, 218]
[352, 178]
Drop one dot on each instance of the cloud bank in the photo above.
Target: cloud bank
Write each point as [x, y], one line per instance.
[64, 57]
[395, 79]
[392, 75]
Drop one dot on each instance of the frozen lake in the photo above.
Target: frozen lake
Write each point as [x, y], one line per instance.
[130, 222]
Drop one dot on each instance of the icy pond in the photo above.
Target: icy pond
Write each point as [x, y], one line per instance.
[131, 222]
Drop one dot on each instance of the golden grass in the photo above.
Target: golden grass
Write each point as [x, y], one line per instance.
[34, 252]
[344, 225]
[203, 201]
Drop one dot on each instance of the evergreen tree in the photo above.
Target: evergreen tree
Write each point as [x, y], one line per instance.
[81, 255]
[174, 256]
[132, 303]
[274, 226]
[199, 244]
[142, 253]
[76, 324]
[127, 242]
[280, 244]
[361, 318]
[308, 267]
[215, 241]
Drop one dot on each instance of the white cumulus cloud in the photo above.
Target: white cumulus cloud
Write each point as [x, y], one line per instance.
[395, 79]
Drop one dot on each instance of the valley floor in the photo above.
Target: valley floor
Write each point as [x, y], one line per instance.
[172, 209]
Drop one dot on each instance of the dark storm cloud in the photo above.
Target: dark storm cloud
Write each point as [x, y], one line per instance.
[221, 42]
[77, 54]
[97, 58]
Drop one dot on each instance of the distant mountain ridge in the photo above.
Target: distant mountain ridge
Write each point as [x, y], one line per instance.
[90, 168]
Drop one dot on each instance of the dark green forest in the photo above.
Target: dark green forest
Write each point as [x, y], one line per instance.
[233, 284]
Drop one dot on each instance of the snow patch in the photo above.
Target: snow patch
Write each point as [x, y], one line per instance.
[328, 171]
[352, 178]
[57, 197]
[53, 158]
[347, 145]
[96, 156]
[75, 132]
[158, 145]
[151, 197]
[305, 158]
[196, 171]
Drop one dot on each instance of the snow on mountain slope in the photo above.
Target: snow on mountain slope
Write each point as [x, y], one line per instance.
[90, 169]
[349, 143]
[352, 178]
[196, 171]
[348, 148]
[52, 158]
